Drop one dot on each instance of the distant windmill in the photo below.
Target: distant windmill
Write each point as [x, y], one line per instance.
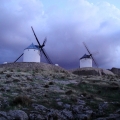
[32, 53]
[86, 60]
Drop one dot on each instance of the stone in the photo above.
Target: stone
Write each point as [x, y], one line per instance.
[92, 71]
[67, 114]
[3, 115]
[35, 116]
[60, 103]
[118, 111]
[114, 116]
[116, 71]
[81, 102]
[3, 118]
[17, 115]
[77, 109]
[103, 106]
[67, 106]
[40, 108]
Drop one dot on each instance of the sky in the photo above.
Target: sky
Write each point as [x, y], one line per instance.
[66, 24]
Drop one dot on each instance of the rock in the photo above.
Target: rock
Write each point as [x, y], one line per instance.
[92, 71]
[67, 114]
[101, 119]
[81, 102]
[5, 88]
[29, 78]
[5, 103]
[77, 109]
[53, 115]
[103, 106]
[35, 116]
[58, 100]
[60, 103]
[111, 117]
[3, 115]
[17, 115]
[40, 108]
[16, 79]
[67, 106]
[116, 71]
[118, 111]
[114, 117]
[81, 117]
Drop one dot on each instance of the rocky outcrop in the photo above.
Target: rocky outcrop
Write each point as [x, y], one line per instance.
[116, 71]
[13, 115]
[92, 71]
[79, 111]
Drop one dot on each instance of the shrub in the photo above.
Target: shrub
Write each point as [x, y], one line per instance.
[22, 100]
[11, 70]
[8, 75]
[46, 86]
[68, 92]
[18, 70]
[51, 83]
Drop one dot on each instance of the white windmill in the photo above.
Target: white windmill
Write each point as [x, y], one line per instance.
[86, 60]
[33, 52]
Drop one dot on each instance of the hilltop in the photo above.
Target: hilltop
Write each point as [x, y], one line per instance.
[39, 91]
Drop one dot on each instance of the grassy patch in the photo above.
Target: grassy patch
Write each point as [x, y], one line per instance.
[106, 93]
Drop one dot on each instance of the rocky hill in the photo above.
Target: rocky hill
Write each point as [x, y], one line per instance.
[38, 91]
[92, 71]
[116, 71]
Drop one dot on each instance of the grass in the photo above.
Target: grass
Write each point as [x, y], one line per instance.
[103, 92]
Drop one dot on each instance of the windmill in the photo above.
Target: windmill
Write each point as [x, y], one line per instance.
[86, 60]
[32, 53]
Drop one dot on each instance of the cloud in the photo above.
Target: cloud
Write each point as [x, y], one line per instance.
[66, 24]
[16, 18]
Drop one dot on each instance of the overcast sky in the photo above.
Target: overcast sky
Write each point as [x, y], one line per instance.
[66, 24]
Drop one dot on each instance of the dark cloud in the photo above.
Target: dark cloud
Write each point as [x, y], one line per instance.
[66, 26]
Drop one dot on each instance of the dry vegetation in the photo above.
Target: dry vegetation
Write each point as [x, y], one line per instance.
[21, 86]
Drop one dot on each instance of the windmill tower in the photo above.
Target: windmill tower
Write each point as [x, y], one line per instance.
[32, 53]
[86, 60]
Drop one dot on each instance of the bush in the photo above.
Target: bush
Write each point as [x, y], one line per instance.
[8, 75]
[69, 92]
[46, 86]
[51, 83]
[22, 100]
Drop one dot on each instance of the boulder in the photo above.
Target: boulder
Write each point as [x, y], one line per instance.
[92, 71]
[17, 115]
[116, 71]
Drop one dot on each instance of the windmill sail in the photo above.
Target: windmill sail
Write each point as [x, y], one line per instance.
[90, 54]
[18, 57]
[41, 47]
[46, 56]
[36, 37]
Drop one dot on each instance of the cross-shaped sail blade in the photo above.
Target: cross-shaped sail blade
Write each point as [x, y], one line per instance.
[46, 56]
[36, 37]
[18, 57]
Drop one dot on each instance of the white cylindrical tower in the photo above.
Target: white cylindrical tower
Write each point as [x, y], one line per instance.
[85, 61]
[31, 54]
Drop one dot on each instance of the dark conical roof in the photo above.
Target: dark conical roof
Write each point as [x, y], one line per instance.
[32, 46]
[85, 56]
